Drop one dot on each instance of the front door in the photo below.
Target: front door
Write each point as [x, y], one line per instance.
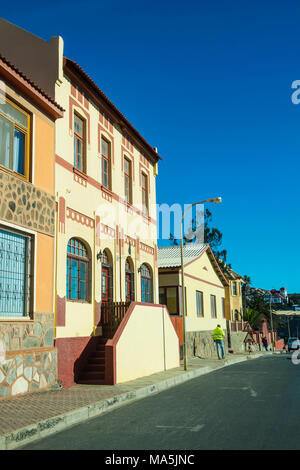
[105, 285]
[128, 287]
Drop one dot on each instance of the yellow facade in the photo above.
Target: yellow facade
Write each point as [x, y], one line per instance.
[99, 217]
[27, 225]
[199, 276]
[234, 300]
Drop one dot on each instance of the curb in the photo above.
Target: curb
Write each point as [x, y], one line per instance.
[64, 421]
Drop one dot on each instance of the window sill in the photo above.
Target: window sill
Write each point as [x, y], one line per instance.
[16, 319]
[80, 173]
[79, 301]
[107, 190]
[15, 174]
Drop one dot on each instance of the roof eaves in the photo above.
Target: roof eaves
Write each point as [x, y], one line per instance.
[31, 83]
[72, 64]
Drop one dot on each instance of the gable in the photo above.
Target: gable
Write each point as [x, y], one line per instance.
[203, 269]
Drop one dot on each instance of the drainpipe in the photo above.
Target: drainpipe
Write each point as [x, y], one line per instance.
[94, 275]
[55, 274]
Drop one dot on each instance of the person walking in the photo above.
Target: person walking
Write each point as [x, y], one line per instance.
[265, 343]
[218, 337]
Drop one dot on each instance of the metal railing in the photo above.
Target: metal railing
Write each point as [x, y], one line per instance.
[112, 313]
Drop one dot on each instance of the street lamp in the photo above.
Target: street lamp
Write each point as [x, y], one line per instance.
[272, 332]
[216, 200]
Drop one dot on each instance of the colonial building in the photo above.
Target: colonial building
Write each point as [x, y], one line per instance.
[233, 294]
[28, 358]
[205, 287]
[106, 242]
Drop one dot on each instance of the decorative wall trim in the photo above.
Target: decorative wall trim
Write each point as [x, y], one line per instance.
[62, 215]
[61, 311]
[82, 219]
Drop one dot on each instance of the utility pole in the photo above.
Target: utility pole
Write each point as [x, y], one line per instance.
[272, 332]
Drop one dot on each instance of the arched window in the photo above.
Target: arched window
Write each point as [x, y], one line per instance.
[77, 270]
[146, 284]
[107, 277]
[129, 280]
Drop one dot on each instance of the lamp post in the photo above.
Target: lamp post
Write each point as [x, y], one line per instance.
[216, 200]
[272, 332]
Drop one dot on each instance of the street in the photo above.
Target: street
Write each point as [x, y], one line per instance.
[251, 405]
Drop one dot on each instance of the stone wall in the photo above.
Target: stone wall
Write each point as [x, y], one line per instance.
[200, 343]
[24, 204]
[28, 360]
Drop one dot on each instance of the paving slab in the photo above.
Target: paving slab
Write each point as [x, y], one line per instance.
[32, 416]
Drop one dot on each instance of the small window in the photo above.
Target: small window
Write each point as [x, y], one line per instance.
[223, 307]
[105, 163]
[14, 138]
[145, 201]
[199, 301]
[234, 288]
[79, 143]
[169, 296]
[213, 306]
[128, 180]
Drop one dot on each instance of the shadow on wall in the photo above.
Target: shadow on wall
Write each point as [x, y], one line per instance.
[81, 362]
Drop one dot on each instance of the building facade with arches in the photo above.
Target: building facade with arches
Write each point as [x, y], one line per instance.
[106, 246]
[105, 251]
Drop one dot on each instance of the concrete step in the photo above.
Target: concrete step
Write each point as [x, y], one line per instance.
[94, 367]
[92, 375]
[91, 382]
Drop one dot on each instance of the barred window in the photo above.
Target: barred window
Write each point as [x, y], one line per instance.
[15, 274]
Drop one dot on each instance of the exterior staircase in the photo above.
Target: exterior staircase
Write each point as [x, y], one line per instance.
[94, 370]
[112, 313]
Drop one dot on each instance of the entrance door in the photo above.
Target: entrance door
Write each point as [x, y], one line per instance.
[105, 284]
[128, 287]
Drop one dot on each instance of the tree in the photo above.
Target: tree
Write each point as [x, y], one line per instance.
[252, 316]
[199, 232]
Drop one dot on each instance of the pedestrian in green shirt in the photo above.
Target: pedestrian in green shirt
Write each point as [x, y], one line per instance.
[218, 337]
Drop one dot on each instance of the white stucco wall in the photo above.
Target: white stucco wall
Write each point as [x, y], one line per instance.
[149, 344]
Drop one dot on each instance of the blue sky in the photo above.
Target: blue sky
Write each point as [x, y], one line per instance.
[209, 84]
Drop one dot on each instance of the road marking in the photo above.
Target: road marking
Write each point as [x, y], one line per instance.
[252, 392]
[196, 428]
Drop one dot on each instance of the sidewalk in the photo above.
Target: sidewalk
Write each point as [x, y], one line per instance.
[29, 417]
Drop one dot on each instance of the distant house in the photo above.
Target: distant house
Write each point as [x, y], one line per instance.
[276, 297]
[205, 286]
[233, 294]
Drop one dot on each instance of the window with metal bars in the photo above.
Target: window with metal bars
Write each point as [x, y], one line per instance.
[15, 274]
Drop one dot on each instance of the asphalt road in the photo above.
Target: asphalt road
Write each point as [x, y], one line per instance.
[254, 405]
